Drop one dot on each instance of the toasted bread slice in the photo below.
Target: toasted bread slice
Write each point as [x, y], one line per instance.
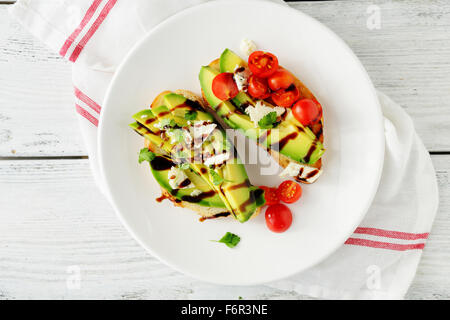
[204, 212]
[282, 160]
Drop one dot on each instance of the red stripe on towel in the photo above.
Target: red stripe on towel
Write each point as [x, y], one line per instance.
[392, 234]
[87, 115]
[87, 17]
[91, 103]
[103, 14]
[384, 245]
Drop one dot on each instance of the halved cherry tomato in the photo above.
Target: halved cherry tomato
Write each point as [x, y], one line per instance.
[286, 97]
[262, 64]
[278, 217]
[224, 87]
[257, 87]
[289, 191]
[271, 195]
[307, 111]
[281, 79]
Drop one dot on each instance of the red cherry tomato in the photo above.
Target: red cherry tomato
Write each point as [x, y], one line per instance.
[271, 195]
[281, 79]
[262, 64]
[257, 87]
[278, 218]
[289, 191]
[307, 111]
[286, 97]
[224, 87]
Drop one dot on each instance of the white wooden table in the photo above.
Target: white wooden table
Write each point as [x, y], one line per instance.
[54, 218]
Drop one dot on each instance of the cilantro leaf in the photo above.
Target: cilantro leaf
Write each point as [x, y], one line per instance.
[190, 115]
[268, 120]
[184, 166]
[230, 239]
[216, 178]
[146, 155]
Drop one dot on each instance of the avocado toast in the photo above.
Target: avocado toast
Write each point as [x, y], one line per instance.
[192, 161]
[296, 147]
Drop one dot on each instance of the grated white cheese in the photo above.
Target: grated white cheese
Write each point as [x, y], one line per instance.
[260, 109]
[293, 170]
[217, 159]
[176, 177]
[247, 46]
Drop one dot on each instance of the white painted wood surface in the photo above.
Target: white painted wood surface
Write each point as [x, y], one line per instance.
[54, 217]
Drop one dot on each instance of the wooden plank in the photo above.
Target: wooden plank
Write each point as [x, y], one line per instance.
[37, 113]
[54, 218]
[407, 58]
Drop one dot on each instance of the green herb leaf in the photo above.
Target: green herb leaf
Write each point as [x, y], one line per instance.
[268, 120]
[164, 123]
[184, 166]
[190, 115]
[216, 178]
[230, 239]
[146, 155]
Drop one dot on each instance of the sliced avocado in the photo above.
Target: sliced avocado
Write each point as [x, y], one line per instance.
[237, 189]
[289, 138]
[229, 61]
[259, 196]
[208, 197]
[147, 119]
[149, 135]
[164, 113]
[233, 191]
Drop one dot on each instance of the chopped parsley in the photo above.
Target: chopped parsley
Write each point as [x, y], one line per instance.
[268, 120]
[216, 178]
[190, 115]
[184, 166]
[230, 239]
[146, 155]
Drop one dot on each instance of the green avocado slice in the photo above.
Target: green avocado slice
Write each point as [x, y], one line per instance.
[184, 109]
[232, 190]
[289, 138]
[208, 197]
[164, 113]
[229, 61]
[149, 135]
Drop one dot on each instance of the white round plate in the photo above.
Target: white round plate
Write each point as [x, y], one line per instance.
[169, 58]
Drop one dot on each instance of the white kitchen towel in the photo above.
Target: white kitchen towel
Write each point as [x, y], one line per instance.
[378, 261]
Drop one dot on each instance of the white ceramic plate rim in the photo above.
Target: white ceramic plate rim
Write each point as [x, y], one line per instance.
[379, 146]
